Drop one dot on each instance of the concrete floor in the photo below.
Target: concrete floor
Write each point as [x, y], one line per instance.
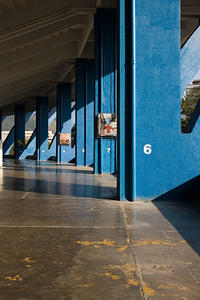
[63, 236]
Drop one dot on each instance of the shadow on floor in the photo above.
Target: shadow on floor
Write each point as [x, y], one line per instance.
[40, 169]
[181, 207]
[57, 188]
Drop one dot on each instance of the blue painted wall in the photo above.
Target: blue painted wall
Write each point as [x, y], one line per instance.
[65, 121]
[153, 102]
[105, 85]
[84, 112]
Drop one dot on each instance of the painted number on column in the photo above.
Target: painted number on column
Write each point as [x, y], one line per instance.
[108, 150]
[148, 149]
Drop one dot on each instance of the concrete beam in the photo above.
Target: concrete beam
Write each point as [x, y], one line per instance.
[69, 51]
[15, 87]
[47, 32]
[20, 69]
[36, 11]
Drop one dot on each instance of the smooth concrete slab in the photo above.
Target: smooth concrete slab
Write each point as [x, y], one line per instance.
[63, 235]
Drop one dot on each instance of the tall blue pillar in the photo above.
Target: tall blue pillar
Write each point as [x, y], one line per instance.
[85, 112]
[155, 159]
[105, 85]
[65, 121]
[42, 128]
[19, 142]
[1, 119]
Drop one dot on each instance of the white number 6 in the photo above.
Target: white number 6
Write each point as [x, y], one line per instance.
[147, 149]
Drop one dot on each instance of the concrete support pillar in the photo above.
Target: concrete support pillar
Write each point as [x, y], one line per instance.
[19, 141]
[42, 128]
[154, 157]
[1, 119]
[65, 121]
[105, 85]
[85, 112]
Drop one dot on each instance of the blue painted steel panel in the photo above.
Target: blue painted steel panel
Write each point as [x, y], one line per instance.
[19, 143]
[160, 156]
[190, 60]
[105, 85]
[65, 121]
[84, 112]
[42, 128]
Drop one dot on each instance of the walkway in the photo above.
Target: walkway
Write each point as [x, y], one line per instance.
[63, 236]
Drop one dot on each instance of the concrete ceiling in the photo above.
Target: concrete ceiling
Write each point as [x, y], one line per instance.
[40, 40]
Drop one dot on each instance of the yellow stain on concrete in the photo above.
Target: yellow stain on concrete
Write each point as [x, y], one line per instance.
[122, 249]
[14, 278]
[175, 286]
[128, 272]
[154, 242]
[110, 275]
[108, 243]
[132, 282]
[28, 260]
[149, 291]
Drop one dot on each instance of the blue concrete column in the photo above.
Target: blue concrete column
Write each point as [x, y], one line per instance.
[1, 119]
[155, 158]
[85, 112]
[19, 142]
[42, 128]
[105, 85]
[65, 122]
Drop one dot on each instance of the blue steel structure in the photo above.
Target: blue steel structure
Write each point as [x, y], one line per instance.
[19, 143]
[30, 149]
[52, 147]
[84, 112]
[105, 85]
[42, 128]
[65, 122]
[153, 75]
[9, 141]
